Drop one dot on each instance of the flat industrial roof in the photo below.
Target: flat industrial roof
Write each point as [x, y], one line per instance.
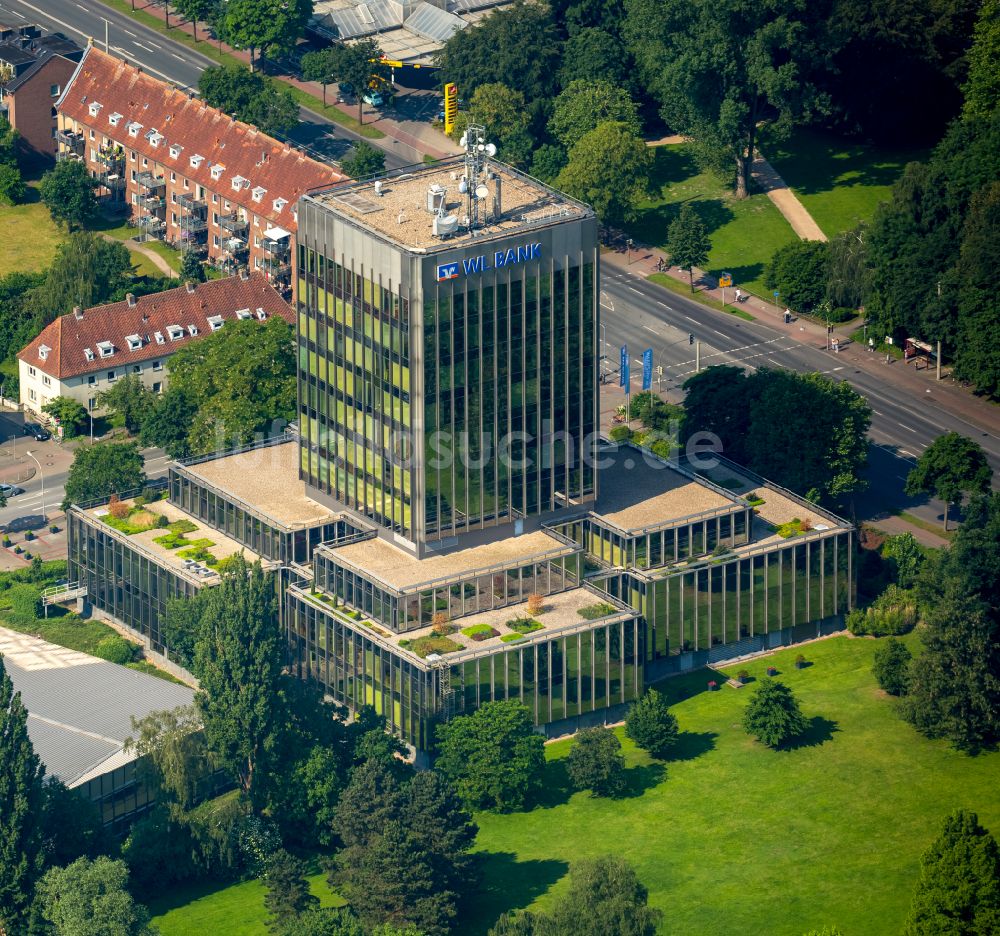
[222, 547]
[267, 480]
[80, 708]
[399, 213]
[398, 569]
[638, 491]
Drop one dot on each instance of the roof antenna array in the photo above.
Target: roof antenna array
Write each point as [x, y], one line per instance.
[473, 183]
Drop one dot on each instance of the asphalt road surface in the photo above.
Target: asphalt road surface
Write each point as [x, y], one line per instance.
[643, 315]
[171, 61]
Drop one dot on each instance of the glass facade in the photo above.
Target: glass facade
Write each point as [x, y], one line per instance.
[410, 610]
[120, 795]
[579, 671]
[731, 598]
[660, 545]
[120, 580]
[354, 388]
[264, 536]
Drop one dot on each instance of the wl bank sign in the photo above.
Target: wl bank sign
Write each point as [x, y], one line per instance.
[480, 264]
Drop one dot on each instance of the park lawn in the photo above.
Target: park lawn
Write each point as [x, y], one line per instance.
[142, 265]
[234, 910]
[733, 837]
[744, 234]
[30, 236]
[841, 182]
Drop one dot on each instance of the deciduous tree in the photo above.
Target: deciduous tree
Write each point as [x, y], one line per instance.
[87, 270]
[21, 802]
[194, 10]
[951, 467]
[69, 192]
[129, 399]
[12, 187]
[359, 65]
[593, 54]
[167, 424]
[585, 104]
[364, 161]
[799, 271]
[493, 756]
[103, 469]
[250, 97]
[321, 66]
[595, 762]
[959, 888]
[269, 26]
[504, 113]
[687, 242]
[91, 897]
[68, 414]
[982, 88]
[609, 169]
[772, 715]
[651, 724]
[287, 895]
[192, 269]
[723, 71]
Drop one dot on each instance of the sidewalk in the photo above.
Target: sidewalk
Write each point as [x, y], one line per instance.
[946, 393]
[413, 143]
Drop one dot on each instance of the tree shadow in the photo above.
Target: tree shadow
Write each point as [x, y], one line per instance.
[671, 165]
[819, 731]
[691, 744]
[556, 788]
[642, 777]
[508, 884]
[682, 686]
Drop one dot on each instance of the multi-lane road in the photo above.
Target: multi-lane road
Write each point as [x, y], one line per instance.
[176, 63]
[642, 315]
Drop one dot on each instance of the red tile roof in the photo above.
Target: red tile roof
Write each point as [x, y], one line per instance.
[68, 336]
[243, 151]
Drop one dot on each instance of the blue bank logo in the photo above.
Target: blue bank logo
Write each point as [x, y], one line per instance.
[480, 264]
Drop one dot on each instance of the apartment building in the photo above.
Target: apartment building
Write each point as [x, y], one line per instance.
[80, 354]
[187, 173]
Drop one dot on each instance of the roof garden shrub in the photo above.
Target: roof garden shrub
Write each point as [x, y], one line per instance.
[524, 625]
[595, 611]
[182, 526]
[479, 632]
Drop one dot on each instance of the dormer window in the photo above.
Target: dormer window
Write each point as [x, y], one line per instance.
[88, 354]
[239, 183]
[217, 171]
[43, 352]
[192, 330]
[106, 348]
[134, 342]
[243, 313]
[159, 337]
[215, 322]
[114, 119]
[176, 332]
[133, 128]
[280, 203]
[154, 137]
[261, 314]
[94, 108]
[175, 150]
[196, 160]
[258, 193]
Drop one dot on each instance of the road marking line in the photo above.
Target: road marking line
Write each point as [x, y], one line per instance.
[688, 317]
[634, 289]
[129, 32]
[179, 57]
[653, 330]
[141, 46]
[907, 428]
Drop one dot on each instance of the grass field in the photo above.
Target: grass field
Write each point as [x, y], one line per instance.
[744, 234]
[237, 910]
[840, 182]
[30, 236]
[733, 837]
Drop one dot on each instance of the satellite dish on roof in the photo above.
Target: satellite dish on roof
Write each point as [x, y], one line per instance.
[463, 185]
[491, 149]
[462, 141]
[482, 191]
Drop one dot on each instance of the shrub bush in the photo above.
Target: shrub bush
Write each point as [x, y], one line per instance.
[840, 315]
[620, 434]
[182, 526]
[536, 604]
[595, 762]
[161, 522]
[24, 599]
[117, 509]
[891, 666]
[651, 724]
[29, 536]
[595, 611]
[479, 632]
[893, 613]
[772, 716]
[115, 649]
[524, 625]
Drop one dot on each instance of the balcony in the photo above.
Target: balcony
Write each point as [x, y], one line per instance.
[112, 181]
[235, 246]
[70, 142]
[152, 203]
[190, 203]
[275, 249]
[233, 223]
[193, 223]
[150, 182]
[112, 157]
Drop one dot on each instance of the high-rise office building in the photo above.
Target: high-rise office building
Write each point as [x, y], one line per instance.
[447, 349]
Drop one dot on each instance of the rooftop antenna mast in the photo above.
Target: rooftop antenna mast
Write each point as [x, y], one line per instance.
[473, 185]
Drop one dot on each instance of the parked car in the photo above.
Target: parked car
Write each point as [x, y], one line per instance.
[37, 431]
[8, 490]
[373, 98]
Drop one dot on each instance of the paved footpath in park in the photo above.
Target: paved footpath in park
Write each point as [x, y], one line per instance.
[775, 187]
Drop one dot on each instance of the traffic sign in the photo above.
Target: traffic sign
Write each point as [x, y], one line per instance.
[726, 279]
[450, 106]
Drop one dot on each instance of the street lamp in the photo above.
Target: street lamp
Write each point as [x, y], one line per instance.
[42, 474]
[629, 244]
